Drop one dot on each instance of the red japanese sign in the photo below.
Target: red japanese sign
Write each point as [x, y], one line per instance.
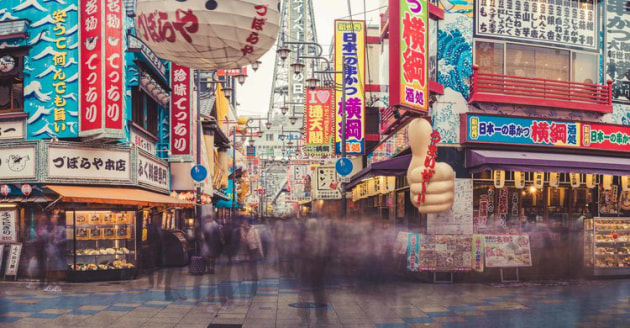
[503, 201]
[605, 137]
[113, 65]
[91, 58]
[409, 54]
[181, 135]
[429, 165]
[232, 72]
[319, 106]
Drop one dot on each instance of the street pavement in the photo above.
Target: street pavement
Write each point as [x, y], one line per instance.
[204, 301]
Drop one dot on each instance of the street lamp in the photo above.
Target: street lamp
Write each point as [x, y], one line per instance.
[241, 78]
[256, 65]
[284, 109]
[268, 125]
[227, 91]
[297, 67]
[283, 52]
[293, 120]
[312, 82]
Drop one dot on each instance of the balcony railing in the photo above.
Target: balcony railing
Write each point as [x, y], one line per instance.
[518, 90]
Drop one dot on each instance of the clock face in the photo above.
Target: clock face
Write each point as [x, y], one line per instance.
[7, 63]
[17, 162]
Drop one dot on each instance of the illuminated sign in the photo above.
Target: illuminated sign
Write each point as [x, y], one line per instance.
[350, 50]
[319, 121]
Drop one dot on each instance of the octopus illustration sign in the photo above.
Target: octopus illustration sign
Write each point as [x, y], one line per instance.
[209, 35]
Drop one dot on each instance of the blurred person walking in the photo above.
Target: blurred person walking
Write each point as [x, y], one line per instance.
[53, 236]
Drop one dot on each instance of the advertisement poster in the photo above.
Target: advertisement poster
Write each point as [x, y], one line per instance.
[458, 220]
[400, 245]
[477, 250]
[618, 48]
[507, 251]
[181, 113]
[609, 201]
[8, 223]
[350, 49]
[412, 252]
[319, 122]
[13, 260]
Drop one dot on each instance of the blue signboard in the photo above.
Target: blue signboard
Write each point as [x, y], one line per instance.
[199, 173]
[51, 73]
[516, 130]
[344, 166]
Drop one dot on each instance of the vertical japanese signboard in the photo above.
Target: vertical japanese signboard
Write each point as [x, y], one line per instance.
[409, 54]
[13, 260]
[8, 224]
[556, 22]
[91, 61]
[350, 50]
[101, 60]
[318, 121]
[181, 114]
[618, 44]
[113, 65]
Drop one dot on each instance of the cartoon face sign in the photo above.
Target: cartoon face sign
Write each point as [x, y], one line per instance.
[7, 64]
[17, 163]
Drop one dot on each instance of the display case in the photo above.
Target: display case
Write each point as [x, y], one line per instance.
[608, 246]
[101, 245]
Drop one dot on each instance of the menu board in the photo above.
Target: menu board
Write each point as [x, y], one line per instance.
[7, 224]
[13, 260]
[507, 251]
[439, 253]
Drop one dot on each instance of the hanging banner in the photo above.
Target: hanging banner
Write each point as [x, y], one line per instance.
[181, 114]
[575, 180]
[607, 181]
[409, 54]
[8, 224]
[478, 256]
[114, 71]
[319, 125]
[507, 251]
[556, 23]
[539, 180]
[91, 61]
[503, 202]
[519, 180]
[618, 49]
[554, 179]
[350, 50]
[590, 181]
[13, 260]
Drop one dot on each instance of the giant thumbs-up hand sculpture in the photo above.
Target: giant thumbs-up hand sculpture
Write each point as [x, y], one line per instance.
[439, 185]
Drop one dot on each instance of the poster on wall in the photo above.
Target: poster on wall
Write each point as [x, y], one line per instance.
[409, 54]
[618, 48]
[327, 183]
[609, 201]
[507, 251]
[350, 50]
[478, 255]
[551, 22]
[8, 224]
[439, 253]
[459, 219]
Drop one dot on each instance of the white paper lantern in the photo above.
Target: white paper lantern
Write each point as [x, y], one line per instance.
[204, 34]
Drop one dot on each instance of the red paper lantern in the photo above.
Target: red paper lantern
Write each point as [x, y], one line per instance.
[26, 189]
[5, 190]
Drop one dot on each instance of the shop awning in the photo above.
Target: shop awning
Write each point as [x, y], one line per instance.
[396, 166]
[480, 160]
[116, 196]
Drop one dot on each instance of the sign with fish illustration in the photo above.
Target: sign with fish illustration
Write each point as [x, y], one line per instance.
[51, 72]
[17, 162]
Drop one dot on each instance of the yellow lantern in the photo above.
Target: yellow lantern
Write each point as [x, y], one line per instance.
[575, 179]
[519, 180]
[607, 180]
[554, 179]
[590, 181]
[539, 179]
[499, 178]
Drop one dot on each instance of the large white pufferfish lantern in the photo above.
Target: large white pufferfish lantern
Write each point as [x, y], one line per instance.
[209, 34]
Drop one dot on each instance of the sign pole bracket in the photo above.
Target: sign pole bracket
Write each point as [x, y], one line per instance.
[503, 280]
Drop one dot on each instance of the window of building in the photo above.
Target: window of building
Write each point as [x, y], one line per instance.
[144, 111]
[536, 62]
[11, 82]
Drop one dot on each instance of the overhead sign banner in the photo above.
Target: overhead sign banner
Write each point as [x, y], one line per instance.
[19, 162]
[181, 113]
[153, 172]
[555, 22]
[101, 60]
[567, 134]
[8, 233]
[319, 107]
[409, 54]
[350, 48]
[89, 163]
[618, 46]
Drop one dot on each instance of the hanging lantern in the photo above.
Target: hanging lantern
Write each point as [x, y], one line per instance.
[625, 183]
[519, 180]
[499, 178]
[539, 179]
[575, 179]
[26, 189]
[554, 179]
[590, 181]
[5, 190]
[607, 181]
[209, 35]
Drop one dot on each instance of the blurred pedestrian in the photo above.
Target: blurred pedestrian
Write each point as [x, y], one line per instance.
[53, 236]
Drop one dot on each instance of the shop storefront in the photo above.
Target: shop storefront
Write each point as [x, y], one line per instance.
[96, 203]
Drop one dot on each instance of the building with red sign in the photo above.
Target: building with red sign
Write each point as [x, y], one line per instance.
[532, 105]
